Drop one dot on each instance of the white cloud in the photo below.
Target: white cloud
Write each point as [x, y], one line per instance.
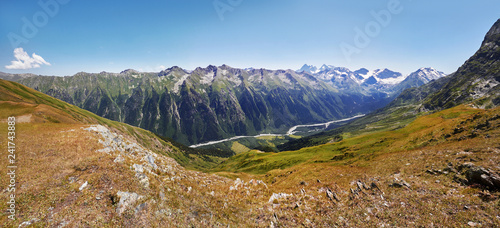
[160, 68]
[24, 61]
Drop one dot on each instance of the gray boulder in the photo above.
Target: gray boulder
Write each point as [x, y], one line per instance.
[482, 176]
[127, 200]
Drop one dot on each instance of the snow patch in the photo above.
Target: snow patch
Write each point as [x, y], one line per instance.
[391, 81]
[179, 83]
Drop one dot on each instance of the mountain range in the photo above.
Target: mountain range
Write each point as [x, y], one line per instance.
[364, 80]
[213, 103]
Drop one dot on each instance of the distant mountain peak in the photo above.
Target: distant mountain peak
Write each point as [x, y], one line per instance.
[423, 76]
[129, 71]
[362, 71]
[175, 68]
[326, 67]
[224, 66]
[386, 73]
[308, 68]
[212, 68]
[170, 70]
[427, 69]
[382, 80]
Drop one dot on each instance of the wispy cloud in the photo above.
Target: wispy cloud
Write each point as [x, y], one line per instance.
[24, 61]
[160, 68]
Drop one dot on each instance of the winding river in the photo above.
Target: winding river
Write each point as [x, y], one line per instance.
[291, 131]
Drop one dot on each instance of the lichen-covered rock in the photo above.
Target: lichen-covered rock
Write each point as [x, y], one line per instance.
[127, 200]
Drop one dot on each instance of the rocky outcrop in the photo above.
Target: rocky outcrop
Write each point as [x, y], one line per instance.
[127, 200]
[480, 176]
[473, 175]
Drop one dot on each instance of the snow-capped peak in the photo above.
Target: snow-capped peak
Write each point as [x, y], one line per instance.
[380, 78]
[309, 69]
[427, 74]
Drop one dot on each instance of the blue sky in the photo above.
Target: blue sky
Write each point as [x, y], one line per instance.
[95, 36]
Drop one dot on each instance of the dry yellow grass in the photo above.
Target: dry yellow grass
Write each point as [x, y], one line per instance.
[52, 155]
[55, 156]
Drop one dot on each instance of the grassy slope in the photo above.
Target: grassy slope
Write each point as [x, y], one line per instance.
[55, 157]
[388, 118]
[434, 129]
[16, 99]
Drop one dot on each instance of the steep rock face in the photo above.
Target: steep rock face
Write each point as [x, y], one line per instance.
[254, 107]
[169, 122]
[98, 102]
[477, 78]
[150, 110]
[198, 120]
[228, 112]
[132, 109]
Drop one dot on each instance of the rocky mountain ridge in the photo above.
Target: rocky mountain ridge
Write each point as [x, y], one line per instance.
[213, 103]
[381, 80]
